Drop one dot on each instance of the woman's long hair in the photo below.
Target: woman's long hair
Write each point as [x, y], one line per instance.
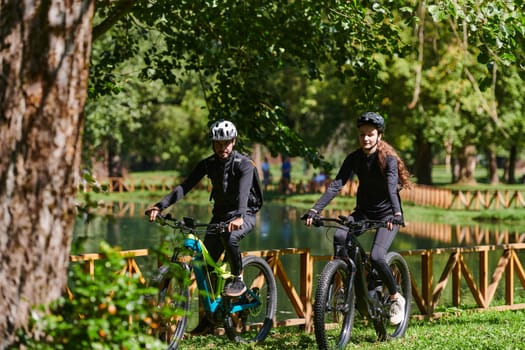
[384, 149]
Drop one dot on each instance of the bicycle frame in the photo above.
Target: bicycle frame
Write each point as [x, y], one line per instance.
[359, 266]
[212, 301]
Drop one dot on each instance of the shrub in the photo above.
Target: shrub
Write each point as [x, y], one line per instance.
[110, 311]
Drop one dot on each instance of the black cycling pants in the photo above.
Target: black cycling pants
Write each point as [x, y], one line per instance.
[382, 241]
[216, 247]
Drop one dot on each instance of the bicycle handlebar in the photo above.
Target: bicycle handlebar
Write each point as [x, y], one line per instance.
[188, 223]
[342, 220]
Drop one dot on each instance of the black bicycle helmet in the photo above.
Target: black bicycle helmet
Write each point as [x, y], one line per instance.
[373, 119]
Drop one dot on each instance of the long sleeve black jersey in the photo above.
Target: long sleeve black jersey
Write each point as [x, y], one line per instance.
[377, 194]
[231, 183]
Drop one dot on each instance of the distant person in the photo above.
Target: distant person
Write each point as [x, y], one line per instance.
[319, 178]
[317, 181]
[381, 173]
[286, 174]
[267, 175]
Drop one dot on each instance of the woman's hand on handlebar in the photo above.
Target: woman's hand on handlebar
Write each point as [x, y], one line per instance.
[152, 212]
[397, 219]
[310, 216]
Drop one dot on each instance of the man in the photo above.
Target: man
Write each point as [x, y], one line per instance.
[232, 178]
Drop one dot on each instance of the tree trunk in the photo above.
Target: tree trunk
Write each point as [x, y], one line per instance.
[466, 162]
[492, 165]
[511, 171]
[45, 48]
[423, 170]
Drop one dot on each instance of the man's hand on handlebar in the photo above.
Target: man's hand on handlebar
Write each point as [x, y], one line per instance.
[346, 219]
[152, 212]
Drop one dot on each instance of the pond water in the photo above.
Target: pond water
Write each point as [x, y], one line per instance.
[278, 227]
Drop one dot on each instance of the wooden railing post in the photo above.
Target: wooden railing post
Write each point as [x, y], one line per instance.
[427, 280]
[456, 280]
[306, 288]
[509, 279]
[483, 274]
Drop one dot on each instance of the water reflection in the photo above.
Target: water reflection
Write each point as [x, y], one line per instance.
[278, 226]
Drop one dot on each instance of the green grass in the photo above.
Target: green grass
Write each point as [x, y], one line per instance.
[464, 330]
[442, 177]
[146, 175]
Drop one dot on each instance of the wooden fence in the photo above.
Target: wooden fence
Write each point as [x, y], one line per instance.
[476, 273]
[419, 194]
[471, 266]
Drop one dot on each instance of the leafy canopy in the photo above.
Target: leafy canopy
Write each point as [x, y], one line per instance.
[237, 48]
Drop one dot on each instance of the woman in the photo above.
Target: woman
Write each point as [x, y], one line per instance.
[380, 172]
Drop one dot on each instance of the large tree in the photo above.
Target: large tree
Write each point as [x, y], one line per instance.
[45, 47]
[448, 92]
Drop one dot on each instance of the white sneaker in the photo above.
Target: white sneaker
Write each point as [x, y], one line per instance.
[397, 310]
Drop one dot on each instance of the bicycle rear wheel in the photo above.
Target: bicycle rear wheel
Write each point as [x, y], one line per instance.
[253, 324]
[384, 329]
[334, 306]
[173, 303]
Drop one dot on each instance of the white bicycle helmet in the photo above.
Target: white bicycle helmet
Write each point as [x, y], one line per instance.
[222, 130]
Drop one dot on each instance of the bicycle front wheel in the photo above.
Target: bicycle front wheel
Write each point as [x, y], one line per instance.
[173, 303]
[253, 323]
[334, 306]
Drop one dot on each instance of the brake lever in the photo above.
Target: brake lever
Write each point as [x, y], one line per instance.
[317, 222]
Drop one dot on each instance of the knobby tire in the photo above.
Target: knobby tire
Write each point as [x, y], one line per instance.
[334, 306]
[174, 297]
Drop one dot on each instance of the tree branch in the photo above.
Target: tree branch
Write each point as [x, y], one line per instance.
[120, 10]
[420, 55]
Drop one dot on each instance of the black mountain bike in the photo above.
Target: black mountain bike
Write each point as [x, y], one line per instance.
[349, 283]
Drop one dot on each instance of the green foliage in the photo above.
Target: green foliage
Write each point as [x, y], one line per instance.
[441, 95]
[497, 28]
[237, 49]
[293, 76]
[111, 311]
[147, 126]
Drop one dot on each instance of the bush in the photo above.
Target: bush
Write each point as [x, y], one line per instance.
[111, 311]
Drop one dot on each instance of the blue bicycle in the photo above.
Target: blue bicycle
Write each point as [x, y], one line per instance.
[247, 318]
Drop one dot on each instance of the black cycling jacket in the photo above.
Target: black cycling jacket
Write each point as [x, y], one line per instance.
[231, 185]
[377, 195]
